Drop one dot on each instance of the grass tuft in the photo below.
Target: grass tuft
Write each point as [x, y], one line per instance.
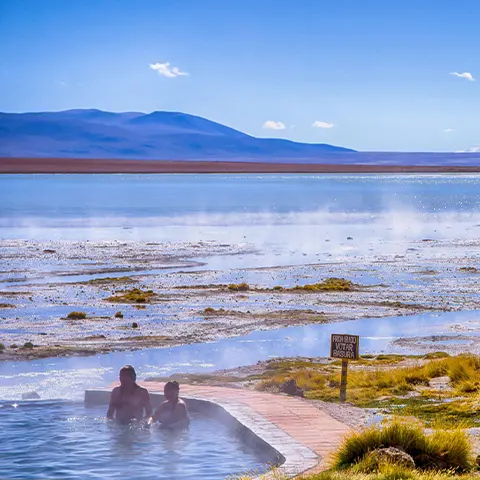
[468, 269]
[135, 295]
[239, 287]
[329, 284]
[444, 449]
[211, 311]
[77, 316]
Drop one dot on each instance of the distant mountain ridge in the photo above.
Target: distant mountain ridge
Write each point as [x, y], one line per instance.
[132, 135]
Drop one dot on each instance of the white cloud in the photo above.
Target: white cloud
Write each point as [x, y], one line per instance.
[167, 70]
[470, 150]
[273, 125]
[449, 130]
[319, 124]
[466, 75]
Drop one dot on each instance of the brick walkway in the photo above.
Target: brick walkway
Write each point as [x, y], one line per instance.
[307, 424]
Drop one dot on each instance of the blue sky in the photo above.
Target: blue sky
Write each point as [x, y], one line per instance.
[374, 74]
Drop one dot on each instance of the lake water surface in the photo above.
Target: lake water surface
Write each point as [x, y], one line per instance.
[258, 208]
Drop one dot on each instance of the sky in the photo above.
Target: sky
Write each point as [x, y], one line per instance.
[373, 75]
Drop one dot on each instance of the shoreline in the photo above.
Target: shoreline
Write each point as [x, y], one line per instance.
[115, 166]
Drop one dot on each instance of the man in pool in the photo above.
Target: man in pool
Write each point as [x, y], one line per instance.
[129, 400]
[172, 413]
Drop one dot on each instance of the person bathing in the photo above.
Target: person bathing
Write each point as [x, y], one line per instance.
[129, 401]
[172, 413]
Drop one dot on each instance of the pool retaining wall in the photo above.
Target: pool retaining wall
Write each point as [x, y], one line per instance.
[289, 456]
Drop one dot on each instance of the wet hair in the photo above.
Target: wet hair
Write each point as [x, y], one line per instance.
[130, 370]
[172, 385]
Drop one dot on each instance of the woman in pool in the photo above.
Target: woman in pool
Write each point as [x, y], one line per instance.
[172, 413]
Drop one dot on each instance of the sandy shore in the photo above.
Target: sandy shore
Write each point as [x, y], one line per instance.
[81, 165]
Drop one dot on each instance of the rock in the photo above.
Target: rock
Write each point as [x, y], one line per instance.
[49, 250]
[392, 455]
[349, 238]
[30, 396]
[291, 388]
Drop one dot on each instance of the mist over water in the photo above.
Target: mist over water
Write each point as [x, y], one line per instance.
[289, 218]
[291, 213]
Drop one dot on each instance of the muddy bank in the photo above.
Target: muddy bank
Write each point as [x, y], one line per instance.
[86, 165]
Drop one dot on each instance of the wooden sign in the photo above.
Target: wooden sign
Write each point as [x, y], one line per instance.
[347, 348]
[344, 346]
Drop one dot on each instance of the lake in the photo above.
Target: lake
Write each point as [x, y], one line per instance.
[172, 207]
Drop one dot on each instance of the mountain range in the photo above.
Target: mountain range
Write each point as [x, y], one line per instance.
[96, 134]
[131, 135]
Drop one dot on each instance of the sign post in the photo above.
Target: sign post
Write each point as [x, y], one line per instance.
[346, 347]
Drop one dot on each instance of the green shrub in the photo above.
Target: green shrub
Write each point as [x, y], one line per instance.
[2, 346]
[28, 345]
[77, 316]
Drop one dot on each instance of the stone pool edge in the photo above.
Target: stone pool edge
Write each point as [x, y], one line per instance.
[290, 457]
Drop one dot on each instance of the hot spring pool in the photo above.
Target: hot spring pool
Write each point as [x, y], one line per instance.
[65, 440]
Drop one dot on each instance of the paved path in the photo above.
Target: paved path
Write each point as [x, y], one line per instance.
[307, 424]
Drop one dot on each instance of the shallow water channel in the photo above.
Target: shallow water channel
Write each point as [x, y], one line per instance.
[68, 377]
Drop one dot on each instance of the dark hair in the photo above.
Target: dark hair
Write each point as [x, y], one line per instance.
[173, 384]
[130, 370]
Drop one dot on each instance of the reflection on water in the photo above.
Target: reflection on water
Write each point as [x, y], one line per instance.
[67, 441]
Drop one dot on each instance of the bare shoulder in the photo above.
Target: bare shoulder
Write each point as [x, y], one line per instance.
[162, 405]
[144, 392]
[182, 403]
[115, 392]
[115, 395]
